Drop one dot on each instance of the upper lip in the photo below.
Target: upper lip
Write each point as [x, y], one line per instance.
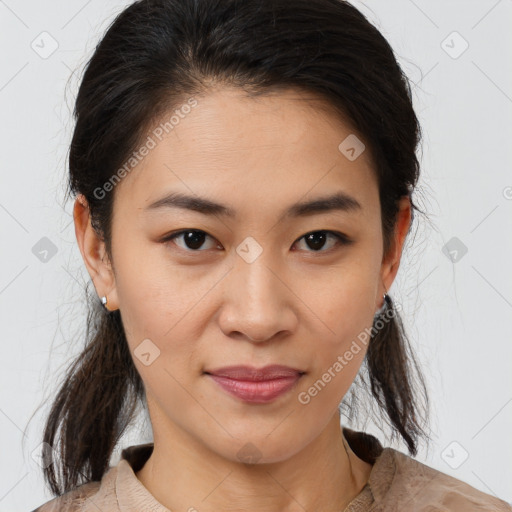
[243, 372]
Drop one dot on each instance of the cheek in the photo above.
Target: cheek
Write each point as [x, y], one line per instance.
[347, 307]
[347, 318]
[150, 292]
[159, 312]
[337, 361]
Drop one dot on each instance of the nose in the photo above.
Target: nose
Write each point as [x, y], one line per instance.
[258, 302]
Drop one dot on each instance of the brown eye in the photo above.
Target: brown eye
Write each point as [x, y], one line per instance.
[316, 240]
[193, 239]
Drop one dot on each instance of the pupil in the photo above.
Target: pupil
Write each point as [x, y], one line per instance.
[312, 236]
[194, 238]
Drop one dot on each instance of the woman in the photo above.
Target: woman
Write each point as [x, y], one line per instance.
[244, 176]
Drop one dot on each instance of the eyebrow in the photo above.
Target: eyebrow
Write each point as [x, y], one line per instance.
[339, 201]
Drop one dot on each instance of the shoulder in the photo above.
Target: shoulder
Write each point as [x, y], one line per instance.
[88, 497]
[416, 486]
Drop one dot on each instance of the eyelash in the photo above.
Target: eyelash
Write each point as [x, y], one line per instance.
[341, 239]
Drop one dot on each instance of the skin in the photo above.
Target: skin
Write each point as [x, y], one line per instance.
[297, 304]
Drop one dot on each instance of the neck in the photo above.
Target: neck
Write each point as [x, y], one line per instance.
[183, 475]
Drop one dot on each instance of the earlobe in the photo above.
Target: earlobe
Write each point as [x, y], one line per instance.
[391, 263]
[93, 251]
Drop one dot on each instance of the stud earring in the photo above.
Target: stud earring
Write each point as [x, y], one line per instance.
[385, 302]
[104, 301]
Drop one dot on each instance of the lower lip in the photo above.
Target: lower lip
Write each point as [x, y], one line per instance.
[256, 392]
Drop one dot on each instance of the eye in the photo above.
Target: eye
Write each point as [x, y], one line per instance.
[316, 239]
[193, 239]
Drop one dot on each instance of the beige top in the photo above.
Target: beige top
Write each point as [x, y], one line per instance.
[397, 482]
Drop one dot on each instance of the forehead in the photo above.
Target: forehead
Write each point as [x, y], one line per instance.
[272, 149]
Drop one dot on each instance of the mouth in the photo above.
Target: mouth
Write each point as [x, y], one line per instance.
[255, 385]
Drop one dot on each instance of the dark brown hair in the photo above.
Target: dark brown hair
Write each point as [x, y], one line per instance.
[153, 56]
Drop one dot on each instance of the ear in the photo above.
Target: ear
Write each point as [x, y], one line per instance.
[391, 261]
[94, 253]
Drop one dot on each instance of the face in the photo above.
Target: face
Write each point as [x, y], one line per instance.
[260, 280]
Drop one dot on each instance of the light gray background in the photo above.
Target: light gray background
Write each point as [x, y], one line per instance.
[458, 311]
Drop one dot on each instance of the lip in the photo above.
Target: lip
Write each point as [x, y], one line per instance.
[256, 385]
[244, 372]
